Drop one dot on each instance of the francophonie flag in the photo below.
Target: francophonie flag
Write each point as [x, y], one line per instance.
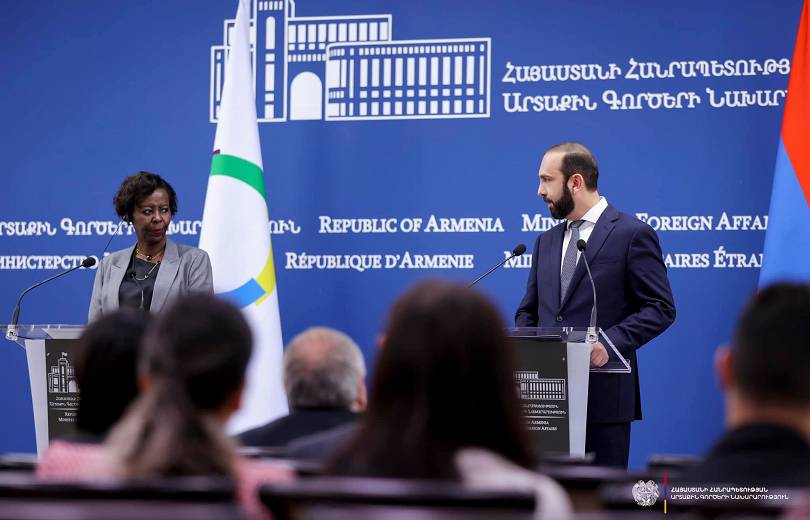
[787, 241]
[236, 235]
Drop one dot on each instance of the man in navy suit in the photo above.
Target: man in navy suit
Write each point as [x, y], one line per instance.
[634, 298]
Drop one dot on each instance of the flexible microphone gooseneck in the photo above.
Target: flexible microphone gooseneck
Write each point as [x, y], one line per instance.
[591, 336]
[11, 331]
[517, 251]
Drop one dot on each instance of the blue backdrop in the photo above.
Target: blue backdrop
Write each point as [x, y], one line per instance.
[95, 90]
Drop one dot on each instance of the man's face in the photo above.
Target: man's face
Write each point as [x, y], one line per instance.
[553, 189]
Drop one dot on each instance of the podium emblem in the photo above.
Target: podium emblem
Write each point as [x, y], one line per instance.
[61, 378]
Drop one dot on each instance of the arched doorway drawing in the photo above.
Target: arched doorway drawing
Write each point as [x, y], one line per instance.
[306, 97]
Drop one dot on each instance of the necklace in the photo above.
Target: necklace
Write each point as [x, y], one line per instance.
[149, 258]
[134, 276]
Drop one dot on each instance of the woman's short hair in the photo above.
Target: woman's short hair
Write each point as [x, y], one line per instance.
[136, 188]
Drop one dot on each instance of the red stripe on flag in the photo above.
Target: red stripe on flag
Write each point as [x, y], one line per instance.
[796, 121]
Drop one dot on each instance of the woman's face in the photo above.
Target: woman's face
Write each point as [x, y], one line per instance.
[151, 218]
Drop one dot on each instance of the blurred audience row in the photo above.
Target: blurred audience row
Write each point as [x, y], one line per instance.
[156, 393]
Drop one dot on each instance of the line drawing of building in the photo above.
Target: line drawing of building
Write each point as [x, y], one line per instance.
[530, 386]
[349, 67]
[61, 378]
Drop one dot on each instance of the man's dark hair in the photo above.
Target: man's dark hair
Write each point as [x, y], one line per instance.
[136, 188]
[771, 346]
[578, 159]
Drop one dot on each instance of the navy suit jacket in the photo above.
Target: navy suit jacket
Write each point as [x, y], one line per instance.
[634, 301]
[302, 422]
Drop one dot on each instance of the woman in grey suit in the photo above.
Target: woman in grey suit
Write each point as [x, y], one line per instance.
[155, 270]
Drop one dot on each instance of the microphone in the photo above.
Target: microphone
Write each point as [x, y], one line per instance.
[11, 331]
[590, 336]
[517, 251]
[134, 278]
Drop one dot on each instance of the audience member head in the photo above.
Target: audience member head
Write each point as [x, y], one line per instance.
[764, 371]
[324, 368]
[443, 381]
[192, 369]
[105, 369]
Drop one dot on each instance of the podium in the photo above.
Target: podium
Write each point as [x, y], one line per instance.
[50, 351]
[551, 380]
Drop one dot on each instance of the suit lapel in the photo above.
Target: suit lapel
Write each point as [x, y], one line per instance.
[166, 275]
[603, 227]
[551, 268]
[118, 268]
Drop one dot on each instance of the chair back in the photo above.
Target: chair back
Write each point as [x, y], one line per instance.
[23, 497]
[349, 497]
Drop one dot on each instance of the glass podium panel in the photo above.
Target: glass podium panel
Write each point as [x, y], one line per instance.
[20, 333]
[50, 352]
[616, 363]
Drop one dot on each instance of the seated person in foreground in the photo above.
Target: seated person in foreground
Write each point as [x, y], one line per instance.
[105, 370]
[443, 402]
[324, 377]
[192, 368]
[765, 375]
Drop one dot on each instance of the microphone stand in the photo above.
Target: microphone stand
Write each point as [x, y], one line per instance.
[519, 250]
[590, 336]
[11, 330]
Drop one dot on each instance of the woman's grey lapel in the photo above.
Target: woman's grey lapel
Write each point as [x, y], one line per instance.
[165, 277]
[118, 264]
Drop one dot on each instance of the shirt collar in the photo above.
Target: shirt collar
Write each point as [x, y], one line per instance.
[593, 214]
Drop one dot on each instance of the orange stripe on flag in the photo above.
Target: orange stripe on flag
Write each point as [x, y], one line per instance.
[796, 121]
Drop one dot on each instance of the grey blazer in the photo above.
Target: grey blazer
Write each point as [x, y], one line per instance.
[184, 269]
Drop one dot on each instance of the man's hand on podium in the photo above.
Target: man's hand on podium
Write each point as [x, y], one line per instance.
[599, 355]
